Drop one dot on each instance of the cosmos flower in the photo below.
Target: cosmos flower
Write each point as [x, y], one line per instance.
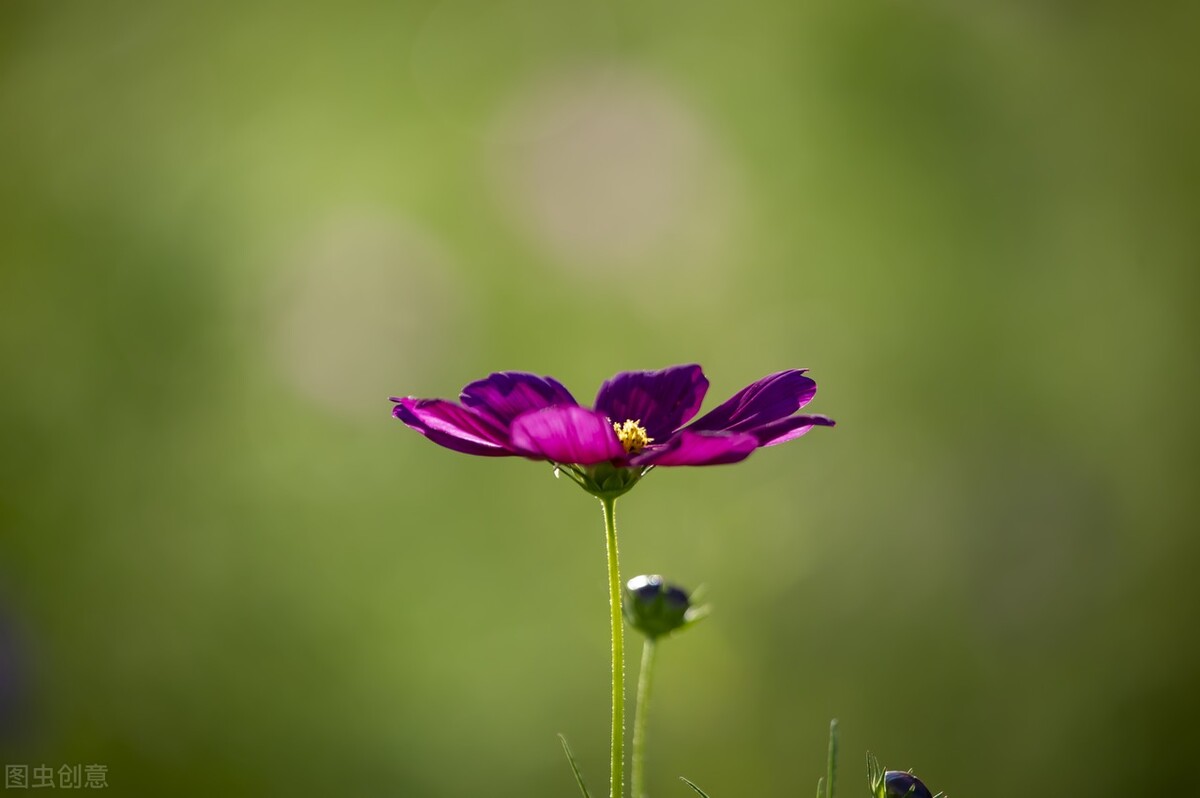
[638, 420]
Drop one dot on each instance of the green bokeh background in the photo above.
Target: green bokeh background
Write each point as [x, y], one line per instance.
[230, 231]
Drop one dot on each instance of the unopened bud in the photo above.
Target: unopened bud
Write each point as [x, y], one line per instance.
[656, 608]
[904, 785]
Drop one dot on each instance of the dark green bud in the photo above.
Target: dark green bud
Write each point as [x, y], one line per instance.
[656, 608]
[904, 785]
[895, 783]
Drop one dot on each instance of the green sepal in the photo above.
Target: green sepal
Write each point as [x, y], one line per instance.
[694, 616]
[875, 777]
[614, 482]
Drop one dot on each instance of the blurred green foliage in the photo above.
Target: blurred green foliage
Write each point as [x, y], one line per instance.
[230, 230]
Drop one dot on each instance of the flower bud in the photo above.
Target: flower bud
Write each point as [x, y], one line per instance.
[901, 784]
[656, 608]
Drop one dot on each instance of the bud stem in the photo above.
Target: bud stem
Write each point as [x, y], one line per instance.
[617, 780]
[645, 684]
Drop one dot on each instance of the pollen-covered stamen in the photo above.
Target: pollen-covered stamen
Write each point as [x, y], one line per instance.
[632, 436]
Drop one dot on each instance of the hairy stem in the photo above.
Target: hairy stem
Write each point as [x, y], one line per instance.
[617, 779]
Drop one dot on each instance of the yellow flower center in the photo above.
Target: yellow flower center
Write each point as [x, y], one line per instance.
[632, 436]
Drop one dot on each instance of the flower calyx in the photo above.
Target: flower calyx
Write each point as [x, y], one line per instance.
[603, 480]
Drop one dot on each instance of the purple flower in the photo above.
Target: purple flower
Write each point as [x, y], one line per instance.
[638, 420]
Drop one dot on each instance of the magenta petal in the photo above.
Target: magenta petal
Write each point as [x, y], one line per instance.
[661, 401]
[566, 434]
[688, 448]
[503, 396]
[449, 425]
[773, 397]
[786, 429]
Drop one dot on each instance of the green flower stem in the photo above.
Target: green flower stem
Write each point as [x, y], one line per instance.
[645, 684]
[617, 780]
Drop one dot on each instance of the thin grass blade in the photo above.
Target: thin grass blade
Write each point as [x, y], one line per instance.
[694, 787]
[574, 767]
[831, 765]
